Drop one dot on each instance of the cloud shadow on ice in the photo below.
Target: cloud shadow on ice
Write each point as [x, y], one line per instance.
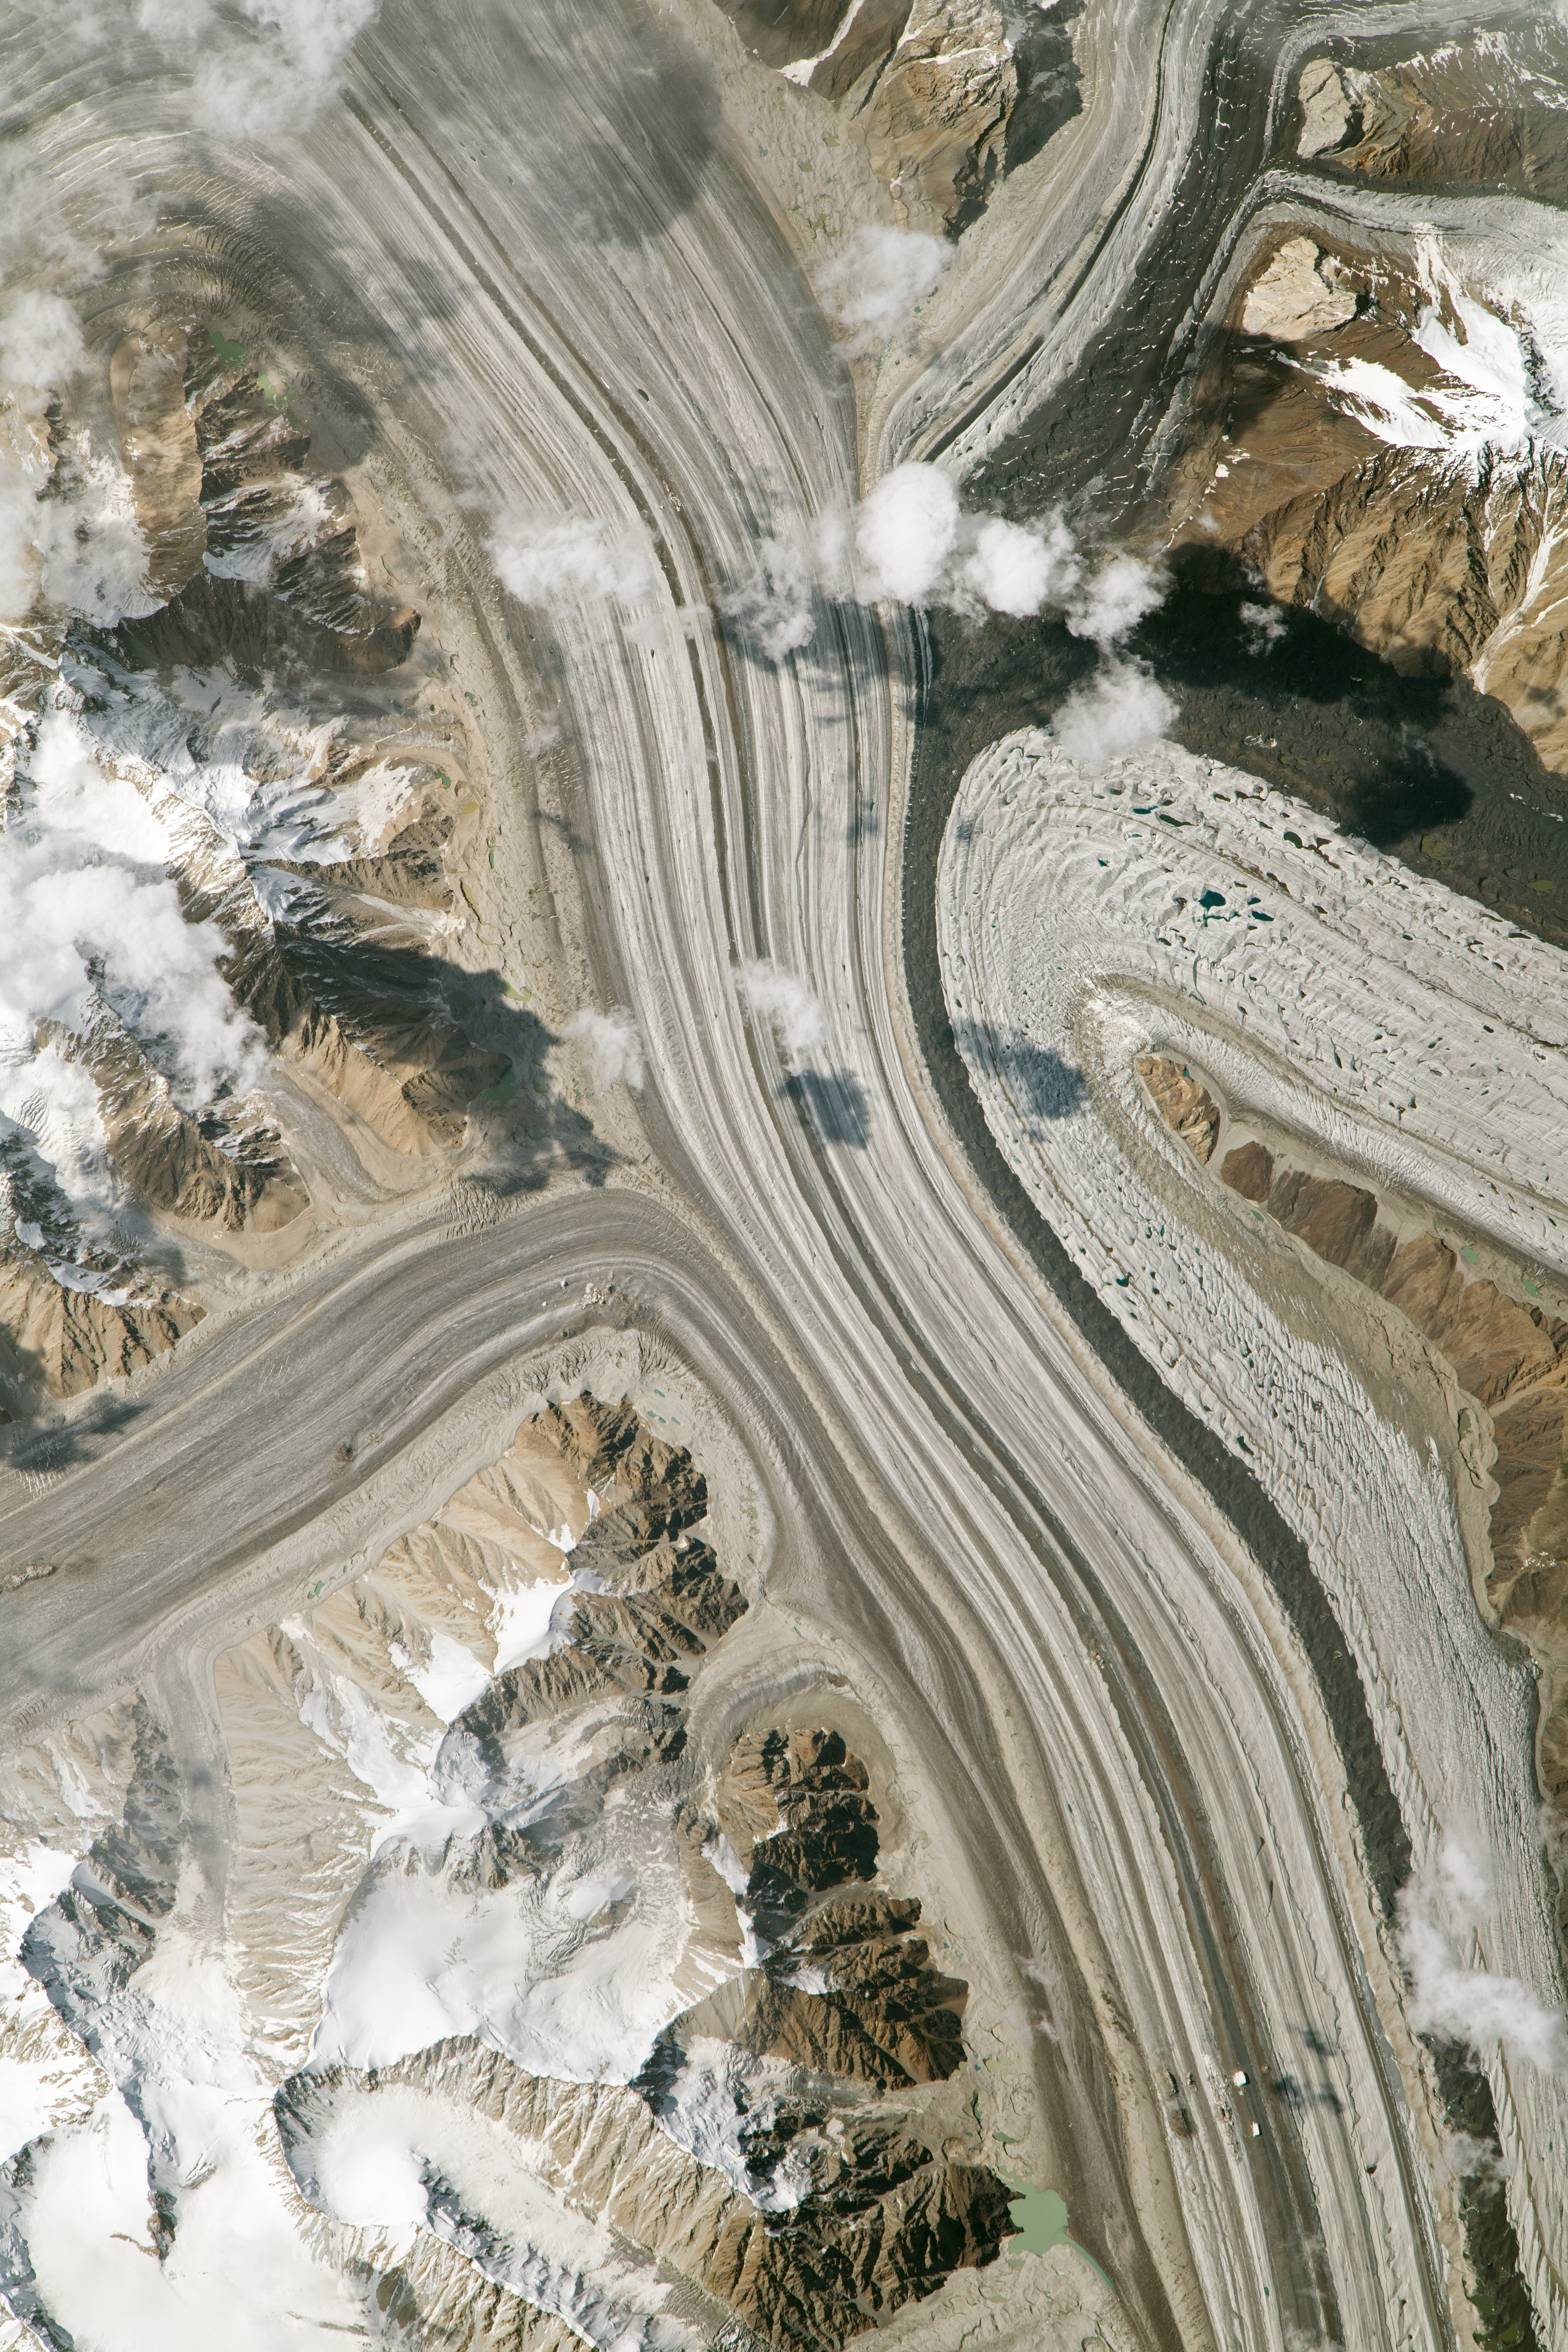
[1044, 1087]
[834, 1102]
[622, 118]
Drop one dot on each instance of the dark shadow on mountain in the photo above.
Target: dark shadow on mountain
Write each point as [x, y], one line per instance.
[453, 1053]
[1291, 698]
[47, 1453]
[261, 630]
[834, 1103]
[1048, 83]
[476, 1053]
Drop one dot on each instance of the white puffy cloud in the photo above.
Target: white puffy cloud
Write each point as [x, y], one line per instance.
[548, 559]
[262, 69]
[774, 606]
[92, 555]
[1120, 710]
[612, 1043]
[1019, 567]
[787, 1003]
[91, 920]
[1468, 2158]
[1265, 625]
[875, 282]
[1114, 601]
[50, 1104]
[911, 543]
[906, 533]
[72, 539]
[69, 531]
[1439, 1912]
[40, 345]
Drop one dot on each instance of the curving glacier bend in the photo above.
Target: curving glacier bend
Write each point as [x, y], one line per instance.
[658, 1715]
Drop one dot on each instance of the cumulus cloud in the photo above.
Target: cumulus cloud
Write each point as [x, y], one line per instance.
[92, 555]
[911, 543]
[547, 558]
[874, 284]
[263, 67]
[40, 345]
[1019, 567]
[787, 1005]
[67, 529]
[612, 1043]
[774, 606]
[1265, 625]
[63, 207]
[1439, 1912]
[1468, 2158]
[1113, 600]
[1118, 712]
[94, 933]
[68, 534]
[49, 1105]
[905, 534]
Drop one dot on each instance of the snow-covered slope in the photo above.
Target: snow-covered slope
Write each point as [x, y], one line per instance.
[468, 1967]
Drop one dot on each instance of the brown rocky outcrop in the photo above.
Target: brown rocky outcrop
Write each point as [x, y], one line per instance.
[850, 1993]
[657, 1490]
[65, 1342]
[846, 1994]
[1511, 1357]
[928, 84]
[1297, 296]
[1439, 569]
[1507, 1353]
[665, 1600]
[217, 467]
[835, 2201]
[1442, 563]
[409, 871]
[1479, 116]
[257, 557]
[370, 1025]
[786, 32]
[283, 585]
[1497, 1344]
[798, 1804]
[641, 1640]
[889, 2224]
[935, 117]
[1184, 1103]
[165, 1156]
